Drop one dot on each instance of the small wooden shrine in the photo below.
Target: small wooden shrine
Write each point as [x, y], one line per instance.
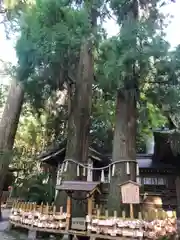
[75, 187]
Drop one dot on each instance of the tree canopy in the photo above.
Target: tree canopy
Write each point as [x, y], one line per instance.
[48, 51]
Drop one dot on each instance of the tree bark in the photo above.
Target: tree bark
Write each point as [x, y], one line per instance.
[80, 110]
[78, 123]
[8, 127]
[124, 146]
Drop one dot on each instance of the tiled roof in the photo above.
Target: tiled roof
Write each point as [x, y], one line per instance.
[77, 186]
[51, 156]
[148, 163]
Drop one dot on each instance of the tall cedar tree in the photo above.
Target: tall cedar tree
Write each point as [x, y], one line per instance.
[80, 96]
[8, 126]
[124, 143]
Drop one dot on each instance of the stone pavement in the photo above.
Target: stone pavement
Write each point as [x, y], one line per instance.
[4, 223]
[12, 235]
[4, 235]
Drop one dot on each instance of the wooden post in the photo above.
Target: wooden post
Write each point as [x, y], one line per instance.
[156, 214]
[24, 206]
[98, 213]
[47, 209]
[123, 214]
[139, 215]
[68, 211]
[90, 207]
[15, 204]
[54, 210]
[115, 214]
[131, 211]
[34, 207]
[61, 210]
[28, 207]
[106, 214]
[41, 208]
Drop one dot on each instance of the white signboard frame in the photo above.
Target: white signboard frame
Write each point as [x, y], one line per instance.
[130, 193]
[78, 224]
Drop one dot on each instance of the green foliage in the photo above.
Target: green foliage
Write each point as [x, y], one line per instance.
[165, 93]
[138, 59]
[150, 118]
[35, 188]
[49, 45]
[103, 118]
[48, 53]
[35, 133]
[117, 55]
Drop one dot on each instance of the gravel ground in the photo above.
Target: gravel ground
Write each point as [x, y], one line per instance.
[4, 234]
[12, 235]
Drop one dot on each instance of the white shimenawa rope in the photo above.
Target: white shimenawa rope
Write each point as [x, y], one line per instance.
[101, 168]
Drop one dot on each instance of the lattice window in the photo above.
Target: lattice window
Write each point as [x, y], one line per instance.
[153, 181]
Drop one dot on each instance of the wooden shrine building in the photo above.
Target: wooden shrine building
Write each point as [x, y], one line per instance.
[55, 156]
[157, 171]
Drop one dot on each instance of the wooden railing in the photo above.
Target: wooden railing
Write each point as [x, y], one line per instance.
[43, 216]
[149, 225]
[150, 215]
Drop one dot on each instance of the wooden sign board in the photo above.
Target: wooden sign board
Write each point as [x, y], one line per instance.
[130, 192]
[78, 224]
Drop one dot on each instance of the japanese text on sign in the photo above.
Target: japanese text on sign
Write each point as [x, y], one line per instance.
[130, 193]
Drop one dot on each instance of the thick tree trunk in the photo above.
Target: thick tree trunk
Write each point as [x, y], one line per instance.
[80, 110]
[8, 126]
[78, 124]
[81, 106]
[124, 146]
